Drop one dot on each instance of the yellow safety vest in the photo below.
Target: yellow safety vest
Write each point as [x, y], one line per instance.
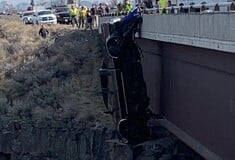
[128, 7]
[162, 4]
[74, 11]
[82, 13]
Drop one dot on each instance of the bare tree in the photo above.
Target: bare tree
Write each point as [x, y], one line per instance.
[113, 2]
[41, 2]
[58, 2]
[96, 2]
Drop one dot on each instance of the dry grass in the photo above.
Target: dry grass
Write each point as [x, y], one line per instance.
[18, 38]
[58, 77]
[19, 43]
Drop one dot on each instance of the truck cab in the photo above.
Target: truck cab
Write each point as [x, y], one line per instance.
[62, 14]
[44, 17]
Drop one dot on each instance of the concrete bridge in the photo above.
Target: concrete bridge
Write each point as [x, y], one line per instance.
[189, 68]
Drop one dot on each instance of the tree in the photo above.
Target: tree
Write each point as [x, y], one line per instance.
[113, 3]
[41, 2]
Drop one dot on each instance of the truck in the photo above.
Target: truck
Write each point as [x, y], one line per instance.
[62, 14]
[122, 82]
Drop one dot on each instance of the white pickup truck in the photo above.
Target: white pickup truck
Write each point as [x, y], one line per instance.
[27, 16]
[44, 17]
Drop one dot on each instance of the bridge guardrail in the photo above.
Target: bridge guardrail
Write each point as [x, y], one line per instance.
[197, 8]
[194, 8]
[207, 25]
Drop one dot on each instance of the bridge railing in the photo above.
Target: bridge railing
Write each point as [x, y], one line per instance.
[197, 8]
[112, 14]
[208, 26]
[194, 8]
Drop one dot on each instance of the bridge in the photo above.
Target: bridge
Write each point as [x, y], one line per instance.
[189, 69]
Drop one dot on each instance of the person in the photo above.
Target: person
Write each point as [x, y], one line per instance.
[127, 6]
[89, 21]
[43, 32]
[100, 9]
[94, 17]
[73, 14]
[82, 16]
[162, 4]
[106, 8]
[169, 4]
[148, 3]
[119, 7]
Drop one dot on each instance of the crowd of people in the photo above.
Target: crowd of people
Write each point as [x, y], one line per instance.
[156, 3]
[84, 18]
[87, 18]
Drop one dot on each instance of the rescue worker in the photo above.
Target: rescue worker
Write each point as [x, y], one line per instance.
[82, 16]
[162, 4]
[73, 14]
[43, 32]
[127, 6]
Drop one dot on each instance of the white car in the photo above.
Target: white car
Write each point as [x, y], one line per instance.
[27, 16]
[44, 17]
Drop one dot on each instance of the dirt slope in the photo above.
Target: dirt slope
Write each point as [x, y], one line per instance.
[59, 76]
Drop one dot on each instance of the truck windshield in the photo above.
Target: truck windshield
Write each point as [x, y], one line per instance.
[28, 14]
[70, 2]
[64, 9]
[44, 12]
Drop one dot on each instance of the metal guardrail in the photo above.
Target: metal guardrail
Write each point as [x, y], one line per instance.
[112, 14]
[194, 8]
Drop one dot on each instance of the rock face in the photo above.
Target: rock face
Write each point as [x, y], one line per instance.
[58, 140]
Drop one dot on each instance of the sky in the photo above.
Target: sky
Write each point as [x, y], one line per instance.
[15, 2]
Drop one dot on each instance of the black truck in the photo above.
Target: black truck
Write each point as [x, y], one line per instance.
[123, 86]
[62, 15]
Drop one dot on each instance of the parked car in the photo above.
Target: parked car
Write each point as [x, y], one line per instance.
[44, 17]
[27, 17]
[62, 15]
[3, 13]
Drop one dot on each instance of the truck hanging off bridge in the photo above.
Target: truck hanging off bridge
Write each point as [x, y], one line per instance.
[131, 110]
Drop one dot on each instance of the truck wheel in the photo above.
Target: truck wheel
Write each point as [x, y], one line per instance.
[25, 21]
[123, 128]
